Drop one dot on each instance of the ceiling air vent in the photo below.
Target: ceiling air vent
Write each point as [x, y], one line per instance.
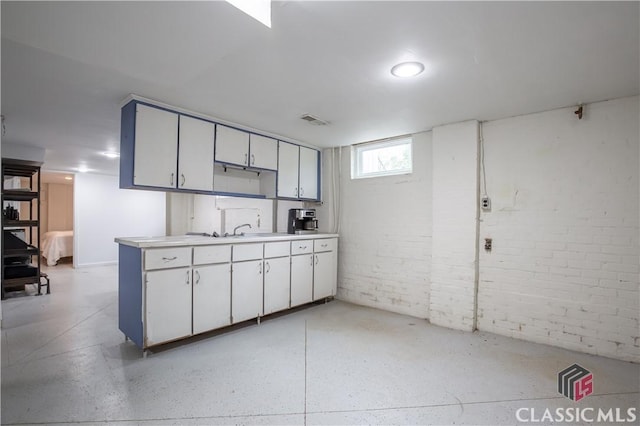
[314, 120]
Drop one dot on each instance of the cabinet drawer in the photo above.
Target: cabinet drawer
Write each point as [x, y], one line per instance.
[167, 258]
[328, 244]
[211, 254]
[301, 247]
[247, 252]
[278, 249]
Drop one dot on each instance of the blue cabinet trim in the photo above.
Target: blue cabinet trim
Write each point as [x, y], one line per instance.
[130, 285]
[127, 144]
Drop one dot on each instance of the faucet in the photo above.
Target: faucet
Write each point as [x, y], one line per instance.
[240, 226]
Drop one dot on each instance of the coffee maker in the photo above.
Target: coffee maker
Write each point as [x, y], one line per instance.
[302, 221]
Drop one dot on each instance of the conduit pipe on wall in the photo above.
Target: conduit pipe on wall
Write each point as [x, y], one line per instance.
[336, 179]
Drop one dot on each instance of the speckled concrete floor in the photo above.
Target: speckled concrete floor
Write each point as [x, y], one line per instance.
[65, 361]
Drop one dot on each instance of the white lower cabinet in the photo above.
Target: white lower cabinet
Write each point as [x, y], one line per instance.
[168, 305]
[324, 275]
[211, 297]
[186, 290]
[301, 279]
[246, 290]
[277, 277]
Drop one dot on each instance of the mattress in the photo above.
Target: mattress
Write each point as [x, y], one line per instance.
[57, 244]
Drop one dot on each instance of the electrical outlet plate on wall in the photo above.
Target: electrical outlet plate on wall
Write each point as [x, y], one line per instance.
[485, 203]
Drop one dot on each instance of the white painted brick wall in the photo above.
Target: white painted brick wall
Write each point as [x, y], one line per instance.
[453, 269]
[385, 235]
[564, 269]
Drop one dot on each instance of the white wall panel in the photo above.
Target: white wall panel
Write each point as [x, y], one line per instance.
[455, 188]
[103, 211]
[564, 269]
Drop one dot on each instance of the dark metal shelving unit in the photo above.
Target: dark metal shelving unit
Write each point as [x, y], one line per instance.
[16, 276]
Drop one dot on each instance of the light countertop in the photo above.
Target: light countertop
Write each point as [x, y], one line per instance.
[197, 240]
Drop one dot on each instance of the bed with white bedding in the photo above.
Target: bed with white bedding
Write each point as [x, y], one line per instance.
[56, 245]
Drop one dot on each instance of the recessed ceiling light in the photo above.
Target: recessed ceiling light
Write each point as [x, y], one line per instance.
[68, 178]
[83, 169]
[111, 154]
[407, 69]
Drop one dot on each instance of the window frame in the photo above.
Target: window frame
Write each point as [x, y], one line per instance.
[358, 149]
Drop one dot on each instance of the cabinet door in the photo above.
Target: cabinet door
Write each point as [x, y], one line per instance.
[308, 173]
[263, 152]
[167, 305]
[156, 147]
[195, 154]
[211, 297]
[246, 290]
[232, 146]
[288, 170]
[277, 277]
[324, 275]
[301, 279]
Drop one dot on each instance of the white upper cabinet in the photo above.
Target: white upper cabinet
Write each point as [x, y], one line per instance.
[232, 146]
[156, 147]
[308, 187]
[246, 149]
[174, 151]
[288, 157]
[297, 172]
[263, 152]
[195, 155]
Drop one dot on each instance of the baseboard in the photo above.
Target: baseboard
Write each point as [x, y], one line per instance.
[91, 265]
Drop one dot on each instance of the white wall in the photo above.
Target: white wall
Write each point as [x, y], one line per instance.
[103, 211]
[207, 213]
[385, 235]
[564, 265]
[564, 269]
[455, 208]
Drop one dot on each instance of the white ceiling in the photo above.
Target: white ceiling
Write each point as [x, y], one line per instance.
[67, 66]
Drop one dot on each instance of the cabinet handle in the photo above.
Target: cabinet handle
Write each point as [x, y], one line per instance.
[253, 159]
[245, 158]
[295, 191]
[302, 247]
[316, 259]
[182, 176]
[171, 183]
[311, 260]
[268, 267]
[260, 268]
[323, 245]
[169, 259]
[197, 277]
[301, 191]
[188, 278]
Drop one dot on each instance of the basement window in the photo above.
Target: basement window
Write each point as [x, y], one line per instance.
[381, 158]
